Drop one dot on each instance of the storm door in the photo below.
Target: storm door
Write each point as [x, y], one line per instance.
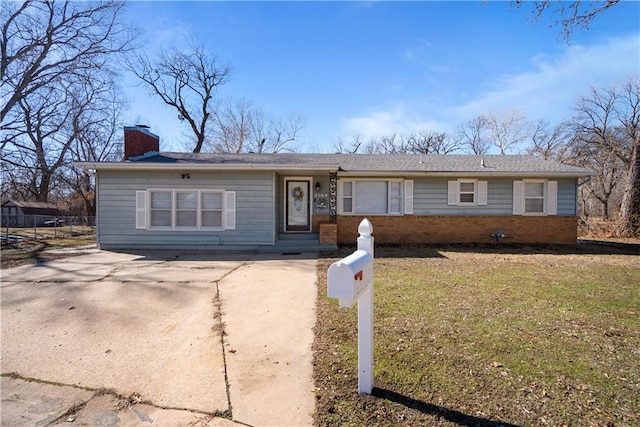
[297, 205]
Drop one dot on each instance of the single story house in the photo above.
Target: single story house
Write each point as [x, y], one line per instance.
[158, 199]
[17, 213]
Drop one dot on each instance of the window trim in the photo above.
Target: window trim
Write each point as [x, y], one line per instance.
[174, 210]
[354, 196]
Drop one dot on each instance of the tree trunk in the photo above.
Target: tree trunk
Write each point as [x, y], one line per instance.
[630, 209]
[199, 143]
[43, 187]
[91, 212]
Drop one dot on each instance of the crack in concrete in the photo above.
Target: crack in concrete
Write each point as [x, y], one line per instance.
[218, 316]
[217, 302]
[125, 402]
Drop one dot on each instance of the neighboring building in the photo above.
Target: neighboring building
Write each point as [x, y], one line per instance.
[28, 214]
[275, 201]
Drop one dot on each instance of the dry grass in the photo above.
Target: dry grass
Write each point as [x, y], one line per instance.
[598, 228]
[489, 335]
[34, 250]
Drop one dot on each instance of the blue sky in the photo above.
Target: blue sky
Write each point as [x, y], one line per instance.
[380, 67]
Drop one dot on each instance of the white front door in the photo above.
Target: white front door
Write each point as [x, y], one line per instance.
[297, 204]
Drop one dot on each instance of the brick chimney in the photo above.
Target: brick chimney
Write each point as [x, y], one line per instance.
[138, 141]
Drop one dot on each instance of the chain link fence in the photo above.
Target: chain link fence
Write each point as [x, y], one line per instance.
[16, 228]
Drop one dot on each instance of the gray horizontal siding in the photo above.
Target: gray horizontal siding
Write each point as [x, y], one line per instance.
[430, 198]
[116, 204]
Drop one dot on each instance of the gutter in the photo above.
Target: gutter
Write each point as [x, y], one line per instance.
[199, 166]
[469, 174]
[141, 166]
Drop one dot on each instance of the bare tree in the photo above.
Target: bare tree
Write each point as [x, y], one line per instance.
[605, 185]
[569, 14]
[627, 112]
[431, 142]
[352, 148]
[97, 140]
[594, 145]
[240, 127]
[185, 81]
[550, 143]
[53, 119]
[275, 134]
[507, 130]
[420, 142]
[231, 130]
[57, 62]
[607, 123]
[473, 135]
[392, 143]
[45, 41]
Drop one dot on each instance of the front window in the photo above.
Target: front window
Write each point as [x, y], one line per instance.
[161, 202]
[186, 209]
[534, 197]
[212, 209]
[371, 197]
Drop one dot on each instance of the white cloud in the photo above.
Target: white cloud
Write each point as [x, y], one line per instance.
[379, 123]
[550, 89]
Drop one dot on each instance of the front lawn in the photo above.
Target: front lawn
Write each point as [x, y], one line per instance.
[488, 335]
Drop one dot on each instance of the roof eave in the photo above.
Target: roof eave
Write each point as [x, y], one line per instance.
[470, 174]
[322, 168]
[199, 166]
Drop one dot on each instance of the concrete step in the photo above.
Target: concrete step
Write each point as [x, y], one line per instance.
[290, 249]
[298, 236]
[308, 244]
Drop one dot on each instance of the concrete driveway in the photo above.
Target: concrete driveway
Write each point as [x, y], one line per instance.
[161, 338]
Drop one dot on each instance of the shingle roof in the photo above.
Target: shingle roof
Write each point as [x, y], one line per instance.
[34, 208]
[383, 163]
[33, 205]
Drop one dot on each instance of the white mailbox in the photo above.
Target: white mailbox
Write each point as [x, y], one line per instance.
[348, 278]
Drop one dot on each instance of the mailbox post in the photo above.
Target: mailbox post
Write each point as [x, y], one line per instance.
[351, 279]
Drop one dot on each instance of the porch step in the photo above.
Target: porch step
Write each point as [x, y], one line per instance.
[297, 246]
[298, 236]
[303, 242]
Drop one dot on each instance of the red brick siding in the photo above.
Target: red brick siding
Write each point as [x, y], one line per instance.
[328, 234]
[462, 229]
[317, 220]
